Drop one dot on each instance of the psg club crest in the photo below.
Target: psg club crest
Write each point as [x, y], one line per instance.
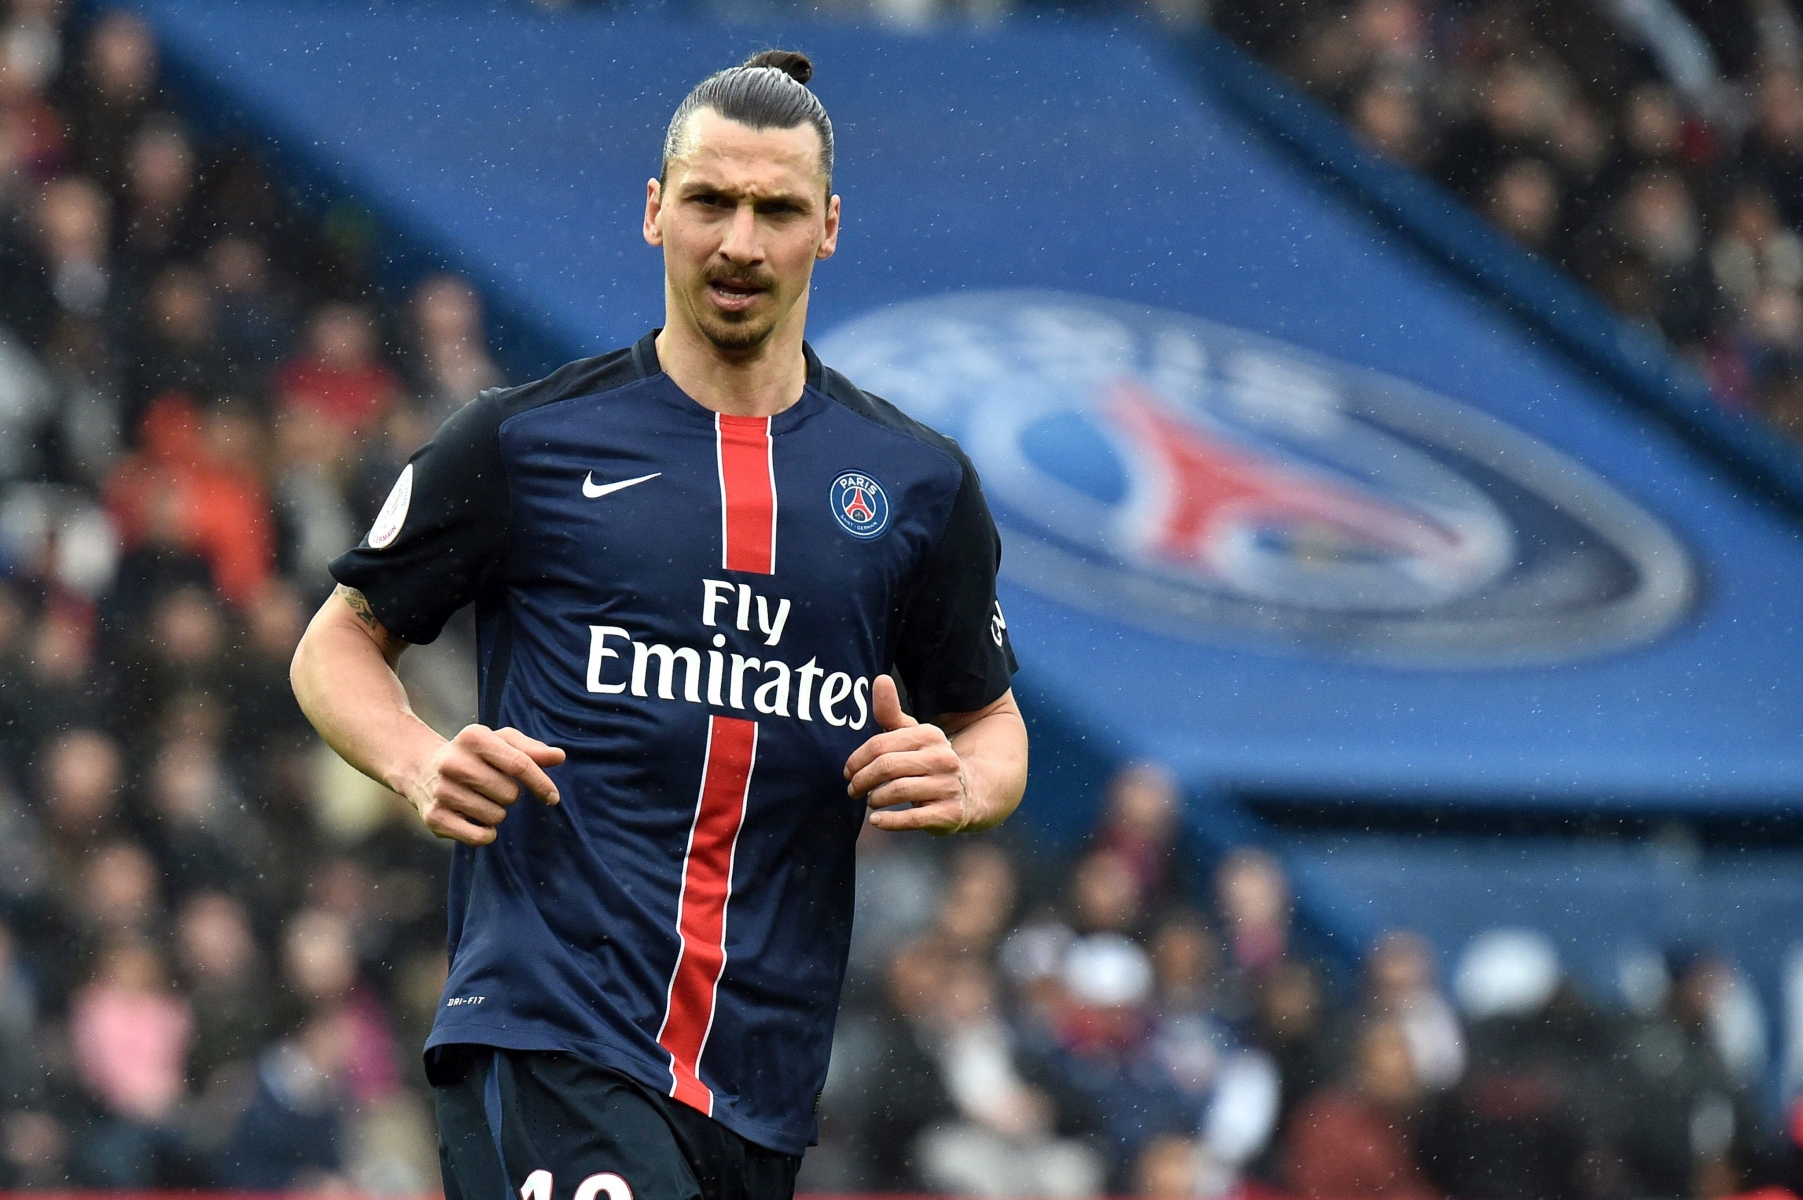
[1211, 484]
[860, 505]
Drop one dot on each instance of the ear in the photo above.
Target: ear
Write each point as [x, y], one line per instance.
[654, 204]
[830, 242]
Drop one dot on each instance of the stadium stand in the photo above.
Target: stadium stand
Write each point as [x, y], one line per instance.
[220, 949]
[201, 981]
[1653, 151]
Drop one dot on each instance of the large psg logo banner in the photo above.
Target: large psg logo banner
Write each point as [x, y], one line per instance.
[1218, 486]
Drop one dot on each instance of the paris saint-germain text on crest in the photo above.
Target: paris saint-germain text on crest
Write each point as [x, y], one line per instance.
[860, 505]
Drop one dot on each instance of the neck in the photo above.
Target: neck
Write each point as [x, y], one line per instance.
[760, 382]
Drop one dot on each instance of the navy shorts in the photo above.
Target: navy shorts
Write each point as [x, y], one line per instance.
[532, 1125]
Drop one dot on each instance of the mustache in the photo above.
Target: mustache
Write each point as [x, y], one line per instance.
[764, 280]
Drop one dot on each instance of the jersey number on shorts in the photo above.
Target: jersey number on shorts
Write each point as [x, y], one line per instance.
[595, 1187]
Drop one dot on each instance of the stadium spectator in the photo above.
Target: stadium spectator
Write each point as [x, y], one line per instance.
[450, 362]
[1358, 1139]
[120, 897]
[205, 837]
[1773, 152]
[311, 495]
[159, 214]
[178, 349]
[1400, 985]
[1198, 1082]
[1686, 1110]
[1387, 115]
[1657, 223]
[899, 883]
[181, 655]
[116, 89]
[59, 274]
[1105, 895]
[220, 967]
[177, 492]
[129, 1034]
[978, 901]
[1755, 250]
[264, 721]
[1519, 1124]
[1186, 960]
[1290, 1023]
[1526, 200]
[81, 772]
[292, 1135]
[34, 1151]
[1254, 900]
[1001, 1140]
[255, 324]
[21, 1068]
[338, 376]
[33, 133]
[1141, 825]
[1168, 1169]
[914, 1097]
[59, 687]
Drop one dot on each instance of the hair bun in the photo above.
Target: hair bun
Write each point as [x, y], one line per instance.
[792, 63]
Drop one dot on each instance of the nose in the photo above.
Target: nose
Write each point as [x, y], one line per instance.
[742, 245]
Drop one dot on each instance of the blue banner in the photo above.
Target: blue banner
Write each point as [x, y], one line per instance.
[1286, 502]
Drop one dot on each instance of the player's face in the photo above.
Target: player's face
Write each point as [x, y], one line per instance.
[742, 217]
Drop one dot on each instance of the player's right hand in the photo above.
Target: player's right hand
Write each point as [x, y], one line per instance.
[464, 788]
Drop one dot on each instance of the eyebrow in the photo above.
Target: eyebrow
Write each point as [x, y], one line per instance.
[692, 188]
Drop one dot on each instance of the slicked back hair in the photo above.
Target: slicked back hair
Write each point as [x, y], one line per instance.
[768, 91]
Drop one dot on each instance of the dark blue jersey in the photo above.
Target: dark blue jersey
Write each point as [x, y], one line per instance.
[692, 605]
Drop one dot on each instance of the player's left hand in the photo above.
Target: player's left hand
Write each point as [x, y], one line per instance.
[909, 763]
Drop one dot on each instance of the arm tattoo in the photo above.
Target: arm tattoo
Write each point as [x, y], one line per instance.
[360, 605]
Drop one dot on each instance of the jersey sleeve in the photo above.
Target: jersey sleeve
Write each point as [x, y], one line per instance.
[953, 652]
[442, 534]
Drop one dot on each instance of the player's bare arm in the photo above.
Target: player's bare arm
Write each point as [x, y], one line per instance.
[343, 675]
[964, 773]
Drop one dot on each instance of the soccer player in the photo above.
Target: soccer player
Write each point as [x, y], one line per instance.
[705, 568]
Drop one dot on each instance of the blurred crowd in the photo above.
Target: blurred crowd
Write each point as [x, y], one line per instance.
[1131, 1021]
[1653, 149]
[219, 948]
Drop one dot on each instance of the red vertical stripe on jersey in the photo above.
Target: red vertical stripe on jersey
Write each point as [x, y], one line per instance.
[701, 912]
[747, 494]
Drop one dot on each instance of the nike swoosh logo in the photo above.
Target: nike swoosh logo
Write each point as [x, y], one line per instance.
[595, 491]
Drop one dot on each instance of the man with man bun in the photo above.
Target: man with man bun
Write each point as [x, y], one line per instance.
[706, 570]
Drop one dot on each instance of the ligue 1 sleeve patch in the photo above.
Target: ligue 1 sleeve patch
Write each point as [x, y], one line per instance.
[394, 512]
[860, 505]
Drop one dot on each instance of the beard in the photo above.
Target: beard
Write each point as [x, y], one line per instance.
[738, 332]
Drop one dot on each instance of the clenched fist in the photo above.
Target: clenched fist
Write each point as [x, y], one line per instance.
[909, 763]
[464, 788]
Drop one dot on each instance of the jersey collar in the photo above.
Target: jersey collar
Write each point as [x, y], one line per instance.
[646, 366]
